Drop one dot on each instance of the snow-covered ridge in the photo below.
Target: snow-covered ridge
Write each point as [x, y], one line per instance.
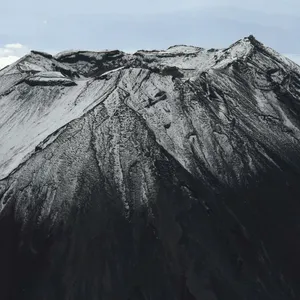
[198, 59]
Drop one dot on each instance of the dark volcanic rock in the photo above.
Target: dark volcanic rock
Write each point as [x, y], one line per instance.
[137, 183]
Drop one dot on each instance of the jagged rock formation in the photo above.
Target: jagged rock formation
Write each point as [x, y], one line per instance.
[155, 175]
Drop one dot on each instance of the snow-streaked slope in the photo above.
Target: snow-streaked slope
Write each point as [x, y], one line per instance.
[178, 92]
[37, 106]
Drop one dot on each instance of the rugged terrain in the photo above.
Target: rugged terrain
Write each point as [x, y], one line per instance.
[151, 176]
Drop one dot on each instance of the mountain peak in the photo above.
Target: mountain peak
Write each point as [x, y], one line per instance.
[254, 41]
[251, 37]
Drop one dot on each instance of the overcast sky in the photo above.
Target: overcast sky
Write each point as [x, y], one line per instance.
[54, 26]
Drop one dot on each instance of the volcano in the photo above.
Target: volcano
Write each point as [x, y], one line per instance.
[159, 175]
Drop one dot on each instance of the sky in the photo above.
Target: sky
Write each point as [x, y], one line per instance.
[54, 26]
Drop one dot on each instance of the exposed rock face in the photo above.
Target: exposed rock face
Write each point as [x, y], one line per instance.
[158, 175]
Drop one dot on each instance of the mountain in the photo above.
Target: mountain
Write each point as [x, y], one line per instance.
[156, 175]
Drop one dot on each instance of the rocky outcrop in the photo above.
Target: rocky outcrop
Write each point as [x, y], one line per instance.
[156, 175]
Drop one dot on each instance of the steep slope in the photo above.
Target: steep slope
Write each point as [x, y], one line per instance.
[158, 175]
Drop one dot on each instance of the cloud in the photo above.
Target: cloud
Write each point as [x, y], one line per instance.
[5, 61]
[13, 46]
[10, 53]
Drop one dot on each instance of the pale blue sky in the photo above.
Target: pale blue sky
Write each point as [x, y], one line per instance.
[130, 25]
